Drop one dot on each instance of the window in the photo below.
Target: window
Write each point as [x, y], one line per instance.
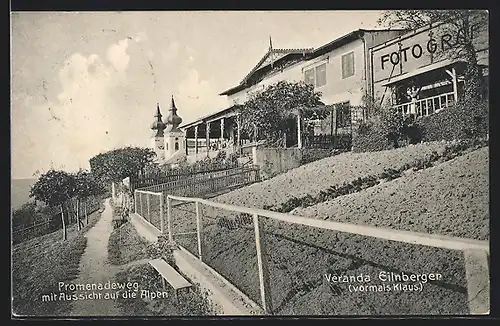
[347, 65]
[309, 76]
[176, 146]
[166, 146]
[321, 75]
[316, 76]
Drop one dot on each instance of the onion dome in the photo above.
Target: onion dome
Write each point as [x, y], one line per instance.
[173, 120]
[158, 124]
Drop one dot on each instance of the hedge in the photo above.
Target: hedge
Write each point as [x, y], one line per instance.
[463, 121]
[466, 120]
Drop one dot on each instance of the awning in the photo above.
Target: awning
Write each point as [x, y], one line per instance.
[419, 71]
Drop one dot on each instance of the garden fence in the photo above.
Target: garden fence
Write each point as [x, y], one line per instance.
[285, 262]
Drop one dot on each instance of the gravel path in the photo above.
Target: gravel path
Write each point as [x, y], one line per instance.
[95, 269]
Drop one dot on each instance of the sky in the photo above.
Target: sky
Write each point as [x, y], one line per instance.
[86, 82]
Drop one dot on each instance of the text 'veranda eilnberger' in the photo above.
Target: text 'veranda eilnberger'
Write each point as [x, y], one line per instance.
[386, 281]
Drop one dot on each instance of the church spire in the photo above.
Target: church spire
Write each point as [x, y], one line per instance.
[158, 124]
[173, 120]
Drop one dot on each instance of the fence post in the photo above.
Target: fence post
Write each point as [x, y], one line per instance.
[478, 281]
[140, 201]
[169, 219]
[147, 198]
[262, 264]
[161, 214]
[198, 227]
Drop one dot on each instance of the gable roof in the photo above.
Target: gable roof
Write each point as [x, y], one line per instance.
[273, 55]
[278, 54]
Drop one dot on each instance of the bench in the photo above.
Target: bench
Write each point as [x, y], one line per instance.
[168, 273]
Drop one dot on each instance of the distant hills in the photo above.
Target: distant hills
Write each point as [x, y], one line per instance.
[20, 190]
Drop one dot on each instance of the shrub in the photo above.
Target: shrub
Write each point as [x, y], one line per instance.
[466, 120]
[370, 136]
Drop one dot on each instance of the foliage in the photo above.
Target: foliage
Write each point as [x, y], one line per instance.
[54, 187]
[117, 164]
[267, 115]
[458, 22]
[24, 216]
[467, 119]
[88, 185]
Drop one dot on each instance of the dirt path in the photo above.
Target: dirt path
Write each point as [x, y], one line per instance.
[95, 269]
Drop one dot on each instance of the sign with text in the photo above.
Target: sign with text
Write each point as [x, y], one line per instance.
[420, 49]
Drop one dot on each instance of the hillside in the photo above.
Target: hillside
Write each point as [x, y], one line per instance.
[450, 198]
[20, 189]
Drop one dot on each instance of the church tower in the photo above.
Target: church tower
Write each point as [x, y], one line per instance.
[158, 136]
[175, 141]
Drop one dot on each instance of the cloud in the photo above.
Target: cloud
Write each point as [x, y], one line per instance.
[197, 97]
[117, 55]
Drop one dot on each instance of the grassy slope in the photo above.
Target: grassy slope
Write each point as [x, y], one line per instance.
[451, 198]
[130, 247]
[297, 281]
[39, 264]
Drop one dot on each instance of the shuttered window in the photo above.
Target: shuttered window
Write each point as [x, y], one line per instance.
[347, 65]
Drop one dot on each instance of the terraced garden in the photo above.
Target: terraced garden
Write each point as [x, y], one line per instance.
[300, 257]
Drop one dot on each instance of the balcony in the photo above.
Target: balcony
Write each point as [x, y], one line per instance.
[426, 106]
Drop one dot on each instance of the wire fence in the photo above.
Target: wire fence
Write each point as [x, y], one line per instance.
[149, 205]
[291, 265]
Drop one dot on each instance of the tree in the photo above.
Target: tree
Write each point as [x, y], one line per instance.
[87, 185]
[116, 165]
[267, 115]
[463, 23]
[55, 188]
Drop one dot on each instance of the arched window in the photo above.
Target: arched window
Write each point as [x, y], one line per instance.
[176, 146]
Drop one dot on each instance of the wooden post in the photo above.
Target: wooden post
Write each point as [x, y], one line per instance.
[265, 290]
[198, 227]
[238, 133]
[299, 129]
[222, 130]
[135, 201]
[454, 81]
[196, 139]
[478, 281]
[149, 216]
[140, 200]
[207, 137]
[162, 228]
[169, 219]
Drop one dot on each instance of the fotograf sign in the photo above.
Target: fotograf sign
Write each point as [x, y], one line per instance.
[416, 50]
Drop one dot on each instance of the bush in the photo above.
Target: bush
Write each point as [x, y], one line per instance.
[466, 120]
[370, 136]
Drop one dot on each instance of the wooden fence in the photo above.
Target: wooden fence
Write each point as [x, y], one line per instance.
[476, 253]
[208, 183]
[174, 175]
[53, 223]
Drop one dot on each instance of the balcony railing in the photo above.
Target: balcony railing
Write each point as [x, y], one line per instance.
[426, 106]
